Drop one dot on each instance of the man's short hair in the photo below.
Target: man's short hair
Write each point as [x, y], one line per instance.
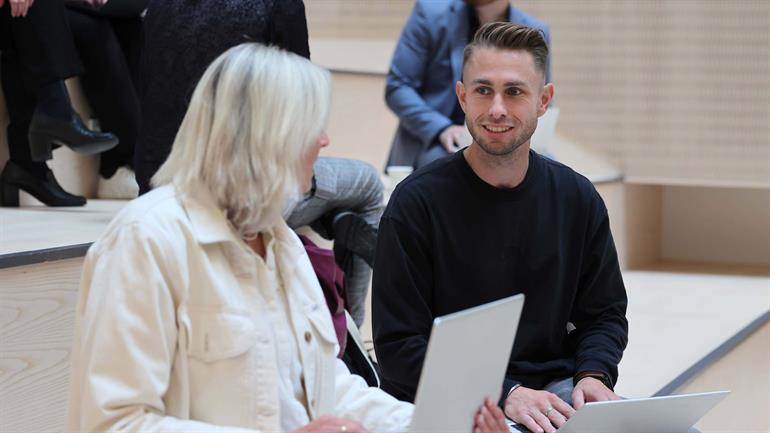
[510, 36]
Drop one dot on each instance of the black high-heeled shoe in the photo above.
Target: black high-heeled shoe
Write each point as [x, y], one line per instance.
[45, 131]
[45, 189]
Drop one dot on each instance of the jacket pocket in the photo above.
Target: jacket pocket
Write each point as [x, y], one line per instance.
[321, 341]
[321, 322]
[217, 335]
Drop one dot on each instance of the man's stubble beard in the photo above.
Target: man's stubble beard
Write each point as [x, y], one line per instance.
[526, 131]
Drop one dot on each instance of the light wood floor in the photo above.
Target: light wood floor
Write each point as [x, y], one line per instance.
[39, 227]
[745, 371]
[677, 318]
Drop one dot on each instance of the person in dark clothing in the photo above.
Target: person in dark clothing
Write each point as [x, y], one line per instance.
[110, 50]
[181, 40]
[494, 220]
[426, 64]
[37, 54]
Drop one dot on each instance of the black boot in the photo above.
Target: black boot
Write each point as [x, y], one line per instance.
[55, 122]
[42, 186]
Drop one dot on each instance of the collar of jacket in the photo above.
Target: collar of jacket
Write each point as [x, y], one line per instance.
[210, 225]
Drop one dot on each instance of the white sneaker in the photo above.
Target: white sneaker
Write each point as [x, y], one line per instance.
[121, 186]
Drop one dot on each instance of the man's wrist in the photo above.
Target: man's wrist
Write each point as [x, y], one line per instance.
[513, 388]
[598, 375]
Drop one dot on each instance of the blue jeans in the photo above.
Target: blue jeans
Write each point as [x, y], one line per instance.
[563, 389]
[344, 184]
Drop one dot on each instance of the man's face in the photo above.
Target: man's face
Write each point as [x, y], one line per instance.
[502, 94]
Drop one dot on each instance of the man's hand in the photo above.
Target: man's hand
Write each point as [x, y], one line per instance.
[331, 424]
[591, 389]
[451, 137]
[539, 411]
[489, 419]
[19, 8]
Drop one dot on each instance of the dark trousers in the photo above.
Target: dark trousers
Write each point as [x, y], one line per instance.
[104, 52]
[110, 50]
[20, 105]
[34, 50]
[42, 42]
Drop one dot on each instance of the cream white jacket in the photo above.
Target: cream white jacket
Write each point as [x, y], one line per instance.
[172, 330]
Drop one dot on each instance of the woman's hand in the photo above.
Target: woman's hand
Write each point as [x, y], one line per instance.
[331, 424]
[19, 8]
[490, 419]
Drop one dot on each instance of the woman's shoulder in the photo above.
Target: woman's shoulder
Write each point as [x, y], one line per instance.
[158, 204]
[151, 216]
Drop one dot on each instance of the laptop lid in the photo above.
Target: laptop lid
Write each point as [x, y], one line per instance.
[668, 414]
[465, 363]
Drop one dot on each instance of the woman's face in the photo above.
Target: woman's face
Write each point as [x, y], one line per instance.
[310, 158]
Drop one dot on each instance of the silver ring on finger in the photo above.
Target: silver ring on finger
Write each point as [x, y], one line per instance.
[548, 411]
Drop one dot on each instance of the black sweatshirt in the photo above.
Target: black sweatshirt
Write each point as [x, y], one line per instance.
[450, 241]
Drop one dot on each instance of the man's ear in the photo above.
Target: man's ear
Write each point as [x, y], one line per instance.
[545, 99]
[460, 91]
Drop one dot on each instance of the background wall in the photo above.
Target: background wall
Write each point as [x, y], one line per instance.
[360, 124]
[675, 91]
[721, 225]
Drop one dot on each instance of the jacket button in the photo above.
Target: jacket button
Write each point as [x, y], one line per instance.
[308, 336]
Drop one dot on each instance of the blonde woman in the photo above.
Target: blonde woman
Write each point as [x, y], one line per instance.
[199, 310]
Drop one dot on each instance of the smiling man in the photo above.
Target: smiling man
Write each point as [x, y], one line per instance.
[426, 63]
[495, 220]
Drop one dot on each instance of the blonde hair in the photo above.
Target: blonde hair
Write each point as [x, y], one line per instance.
[254, 115]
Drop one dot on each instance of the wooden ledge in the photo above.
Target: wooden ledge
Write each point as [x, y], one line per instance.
[358, 56]
[23, 258]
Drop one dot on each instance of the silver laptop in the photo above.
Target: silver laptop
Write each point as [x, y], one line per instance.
[669, 414]
[465, 363]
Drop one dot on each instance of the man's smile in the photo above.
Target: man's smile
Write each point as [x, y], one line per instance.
[497, 129]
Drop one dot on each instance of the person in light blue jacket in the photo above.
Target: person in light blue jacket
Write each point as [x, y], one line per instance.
[420, 86]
